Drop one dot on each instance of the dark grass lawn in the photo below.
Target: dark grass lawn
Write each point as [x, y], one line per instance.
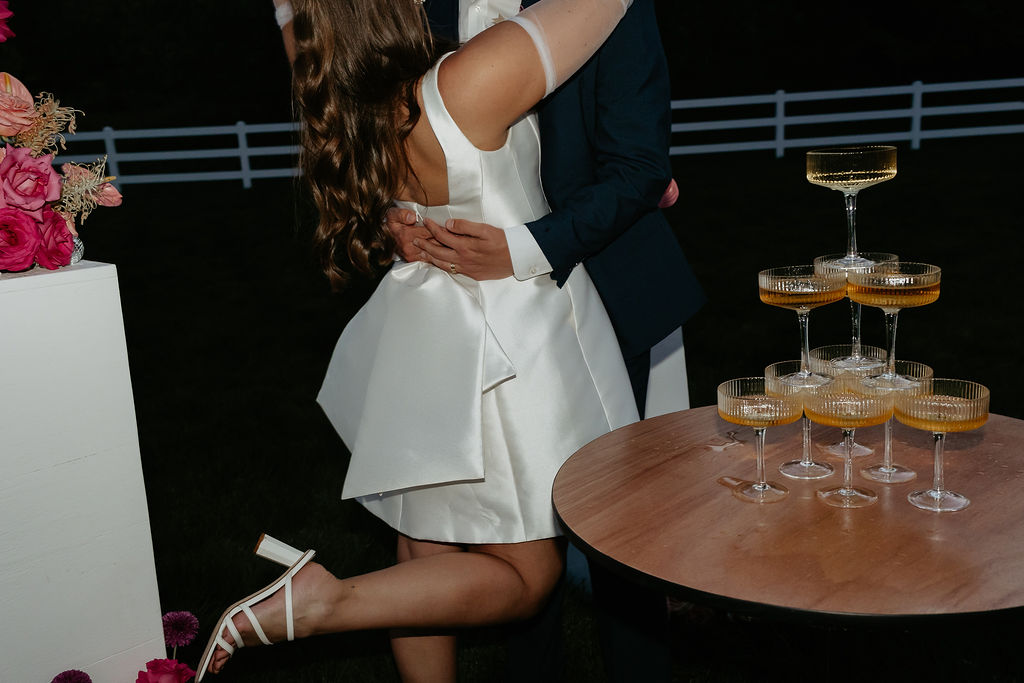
[230, 329]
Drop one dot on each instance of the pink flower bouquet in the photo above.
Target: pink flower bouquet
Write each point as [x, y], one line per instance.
[39, 206]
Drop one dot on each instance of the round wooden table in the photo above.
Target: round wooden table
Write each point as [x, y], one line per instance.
[652, 499]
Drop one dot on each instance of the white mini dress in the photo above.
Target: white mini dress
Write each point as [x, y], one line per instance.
[459, 400]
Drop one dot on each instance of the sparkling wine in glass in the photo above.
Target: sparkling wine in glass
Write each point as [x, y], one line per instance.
[888, 472]
[892, 287]
[745, 401]
[857, 359]
[847, 404]
[951, 405]
[849, 170]
[801, 288]
[806, 467]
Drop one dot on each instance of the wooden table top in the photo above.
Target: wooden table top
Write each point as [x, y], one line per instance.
[653, 498]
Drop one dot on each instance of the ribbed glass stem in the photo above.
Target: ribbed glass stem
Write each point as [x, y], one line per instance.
[803, 318]
[855, 313]
[891, 318]
[848, 460]
[887, 453]
[762, 482]
[851, 224]
[937, 478]
[805, 424]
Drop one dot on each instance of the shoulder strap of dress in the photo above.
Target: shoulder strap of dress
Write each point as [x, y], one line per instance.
[461, 157]
[447, 131]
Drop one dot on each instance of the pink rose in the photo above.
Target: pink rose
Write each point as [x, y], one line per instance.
[17, 109]
[165, 671]
[28, 182]
[5, 14]
[19, 239]
[57, 242]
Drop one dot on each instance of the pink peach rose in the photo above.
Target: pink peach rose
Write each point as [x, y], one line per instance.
[165, 671]
[19, 239]
[56, 243]
[17, 108]
[28, 182]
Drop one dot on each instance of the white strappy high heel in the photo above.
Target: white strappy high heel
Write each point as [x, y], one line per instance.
[276, 551]
[269, 548]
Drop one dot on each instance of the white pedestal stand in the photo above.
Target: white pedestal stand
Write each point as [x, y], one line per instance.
[77, 580]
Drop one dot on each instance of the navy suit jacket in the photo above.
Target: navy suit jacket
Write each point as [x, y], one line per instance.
[605, 139]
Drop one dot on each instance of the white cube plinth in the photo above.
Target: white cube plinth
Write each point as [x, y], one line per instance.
[78, 584]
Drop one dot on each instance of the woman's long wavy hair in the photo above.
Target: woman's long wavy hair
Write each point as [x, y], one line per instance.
[355, 73]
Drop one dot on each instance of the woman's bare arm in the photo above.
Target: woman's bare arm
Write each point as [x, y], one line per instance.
[502, 73]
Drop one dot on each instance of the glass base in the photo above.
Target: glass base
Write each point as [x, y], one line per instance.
[805, 380]
[857, 364]
[838, 449]
[798, 469]
[938, 501]
[754, 492]
[895, 474]
[894, 382]
[842, 497]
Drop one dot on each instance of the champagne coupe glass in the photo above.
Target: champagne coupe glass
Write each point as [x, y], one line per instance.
[847, 405]
[823, 360]
[801, 288]
[888, 472]
[745, 401]
[805, 467]
[856, 359]
[952, 405]
[892, 287]
[850, 170]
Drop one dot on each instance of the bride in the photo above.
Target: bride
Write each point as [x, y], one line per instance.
[458, 399]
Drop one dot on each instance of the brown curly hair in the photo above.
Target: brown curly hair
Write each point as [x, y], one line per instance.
[356, 68]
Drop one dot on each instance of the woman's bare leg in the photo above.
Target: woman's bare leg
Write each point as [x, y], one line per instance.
[487, 584]
[423, 658]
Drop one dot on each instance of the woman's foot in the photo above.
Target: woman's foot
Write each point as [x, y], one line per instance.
[271, 614]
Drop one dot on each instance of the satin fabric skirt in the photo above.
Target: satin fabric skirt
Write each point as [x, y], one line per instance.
[461, 399]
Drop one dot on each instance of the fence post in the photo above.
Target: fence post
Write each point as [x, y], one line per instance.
[916, 112]
[111, 151]
[780, 123]
[243, 154]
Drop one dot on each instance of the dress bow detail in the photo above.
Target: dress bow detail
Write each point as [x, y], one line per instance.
[432, 375]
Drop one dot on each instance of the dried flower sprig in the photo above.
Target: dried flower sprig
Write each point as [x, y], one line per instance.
[85, 188]
[46, 133]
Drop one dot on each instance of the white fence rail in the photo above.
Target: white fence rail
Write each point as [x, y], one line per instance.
[778, 122]
[895, 114]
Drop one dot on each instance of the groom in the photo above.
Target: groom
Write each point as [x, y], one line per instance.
[605, 139]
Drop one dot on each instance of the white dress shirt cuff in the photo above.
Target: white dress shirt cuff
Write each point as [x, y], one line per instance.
[528, 261]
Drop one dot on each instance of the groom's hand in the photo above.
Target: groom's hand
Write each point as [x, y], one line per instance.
[478, 250]
[401, 223]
